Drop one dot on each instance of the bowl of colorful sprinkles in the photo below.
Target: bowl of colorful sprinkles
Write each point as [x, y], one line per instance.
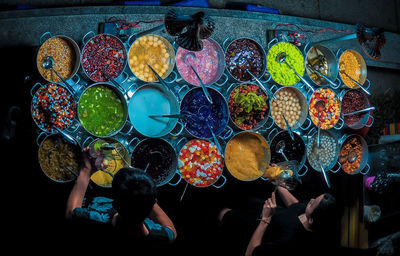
[103, 58]
[102, 110]
[200, 163]
[248, 106]
[53, 107]
[280, 72]
[329, 116]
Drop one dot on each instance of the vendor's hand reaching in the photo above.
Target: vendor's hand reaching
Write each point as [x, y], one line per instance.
[268, 208]
[87, 160]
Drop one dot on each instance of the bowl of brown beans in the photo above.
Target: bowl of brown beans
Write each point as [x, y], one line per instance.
[354, 100]
[65, 53]
[104, 57]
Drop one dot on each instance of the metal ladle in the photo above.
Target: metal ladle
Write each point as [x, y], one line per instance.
[351, 156]
[203, 86]
[205, 119]
[288, 127]
[48, 63]
[320, 74]
[262, 85]
[280, 146]
[359, 111]
[341, 70]
[281, 58]
[320, 106]
[324, 174]
[179, 115]
[162, 81]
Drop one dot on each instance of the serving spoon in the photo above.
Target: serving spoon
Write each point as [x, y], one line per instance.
[341, 70]
[359, 111]
[320, 107]
[203, 86]
[321, 75]
[288, 127]
[47, 64]
[280, 146]
[281, 58]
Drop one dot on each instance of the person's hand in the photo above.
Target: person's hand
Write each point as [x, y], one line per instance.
[268, 208]
[87, 161]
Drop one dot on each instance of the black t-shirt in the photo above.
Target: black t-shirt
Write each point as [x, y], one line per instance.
[285, 232]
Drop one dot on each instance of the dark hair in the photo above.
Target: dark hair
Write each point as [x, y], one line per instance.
[134, 193]
[325, 213]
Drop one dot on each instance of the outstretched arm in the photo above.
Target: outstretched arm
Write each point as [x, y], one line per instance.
[78, 192]
[267, 212]
[287, 197]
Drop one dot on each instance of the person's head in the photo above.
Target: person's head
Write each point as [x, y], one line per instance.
[321, 211]
[134, 193]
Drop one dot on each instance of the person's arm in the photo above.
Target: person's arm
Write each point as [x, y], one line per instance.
[287, 197]
[78, 191]
[158, 215]
[267, 212]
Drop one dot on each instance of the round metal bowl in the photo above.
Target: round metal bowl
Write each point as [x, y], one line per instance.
[364, 154]
[209, 63]
[123, 102]
[54, 148]
[90, 70]
[362, 70]
[315, 55]
[272, 59]
[303, 105]
[240, 158]
[153, 99]
[366, 116]
[133, 59]
[193, 102]
[77, 54]
[242, 60]
[104, 178]
[259, 124]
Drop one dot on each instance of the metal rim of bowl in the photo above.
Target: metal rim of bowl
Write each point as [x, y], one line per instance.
[171, 60]
[226, 105]
[260, 124]
[263, 140]
[299, 80]
[123, 48]
[77, 55]
[169, 94]
[123, 102]
[220, 53]
[263, 56]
